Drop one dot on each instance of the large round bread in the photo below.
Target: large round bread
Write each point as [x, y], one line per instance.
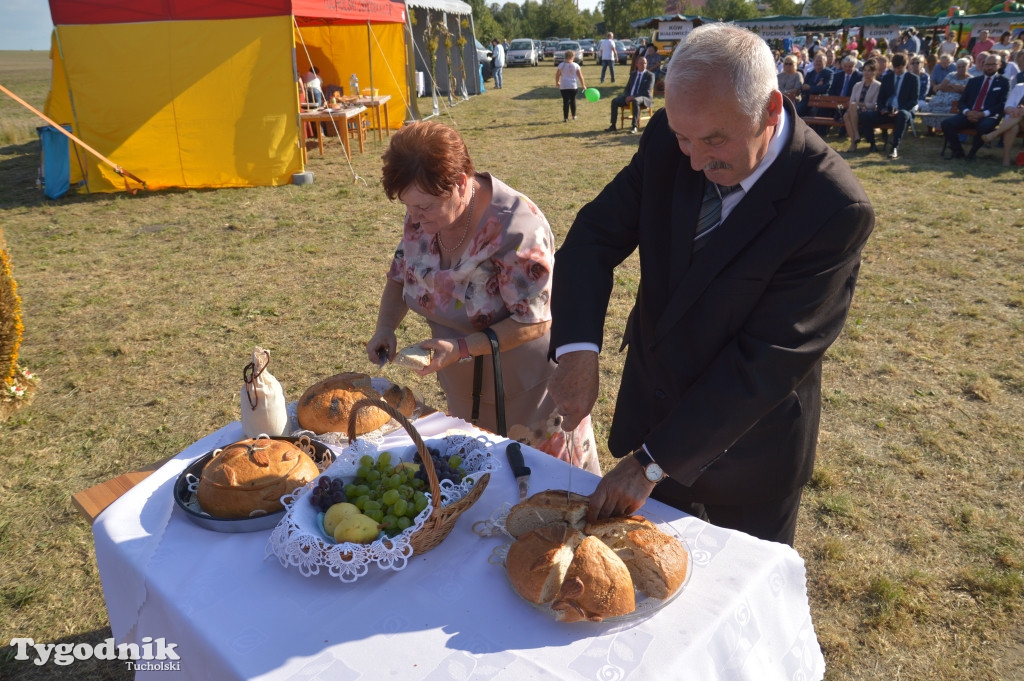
[401, 399]
[597, 585]
[249, 477]
[544, 508]
[325, 406]
[537, 561]
[657, 562]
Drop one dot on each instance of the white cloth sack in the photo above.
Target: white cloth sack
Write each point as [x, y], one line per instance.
[264, 411]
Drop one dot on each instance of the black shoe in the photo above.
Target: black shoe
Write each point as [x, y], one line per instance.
[610, 128]
[873, 148]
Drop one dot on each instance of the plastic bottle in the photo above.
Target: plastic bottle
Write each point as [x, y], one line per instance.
[354, 84]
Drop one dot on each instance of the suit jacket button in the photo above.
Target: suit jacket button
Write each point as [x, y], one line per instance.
[660, 394]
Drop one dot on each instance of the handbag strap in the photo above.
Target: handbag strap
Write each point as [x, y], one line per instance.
[499, 385]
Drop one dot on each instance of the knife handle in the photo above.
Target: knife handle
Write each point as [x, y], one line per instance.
[514, 453]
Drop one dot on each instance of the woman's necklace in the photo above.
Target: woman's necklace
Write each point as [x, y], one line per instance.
[465, 232]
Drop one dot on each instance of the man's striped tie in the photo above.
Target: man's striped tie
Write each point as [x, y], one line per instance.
[711, 210]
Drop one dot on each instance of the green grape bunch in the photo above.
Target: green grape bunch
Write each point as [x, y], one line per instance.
[390, 494]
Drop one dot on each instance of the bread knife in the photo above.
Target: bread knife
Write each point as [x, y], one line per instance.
[514, 453]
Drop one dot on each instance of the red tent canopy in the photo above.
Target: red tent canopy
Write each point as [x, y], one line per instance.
[67, 12]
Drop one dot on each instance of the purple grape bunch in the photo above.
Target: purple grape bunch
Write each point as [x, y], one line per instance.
[327, 492]
[446, 469]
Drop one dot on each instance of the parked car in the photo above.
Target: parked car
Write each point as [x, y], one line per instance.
[539, 46]
[484, 55]
[521, 52]
[624, 52]
[549, 48]
[568, 45]
[588, 47]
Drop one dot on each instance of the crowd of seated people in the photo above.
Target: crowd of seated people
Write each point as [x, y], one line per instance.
[978, 91]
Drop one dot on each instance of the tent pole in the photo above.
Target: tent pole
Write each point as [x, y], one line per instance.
[369, 50]
[412, 107]
[71, 102]
[60, 128]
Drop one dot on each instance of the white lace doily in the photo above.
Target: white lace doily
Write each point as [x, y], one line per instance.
[298, 541]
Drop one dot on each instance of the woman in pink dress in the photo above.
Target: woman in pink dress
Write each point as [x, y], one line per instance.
[474, 254]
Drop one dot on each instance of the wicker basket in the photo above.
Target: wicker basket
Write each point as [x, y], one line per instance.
[442, 519]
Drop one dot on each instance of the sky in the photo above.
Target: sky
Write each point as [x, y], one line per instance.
[25, 25]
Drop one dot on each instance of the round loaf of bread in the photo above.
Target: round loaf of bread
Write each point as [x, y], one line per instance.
[401, 399]
[249, 477]
[588, 571]
[537, 561]
[597, 585]
[544, 508]
[325, 406]
[657, 562]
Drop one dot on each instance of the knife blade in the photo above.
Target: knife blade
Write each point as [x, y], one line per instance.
[514, 454]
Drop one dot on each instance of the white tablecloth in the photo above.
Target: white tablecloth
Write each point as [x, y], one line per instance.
[234, 614]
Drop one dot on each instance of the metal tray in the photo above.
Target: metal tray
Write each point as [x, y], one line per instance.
[185, 497]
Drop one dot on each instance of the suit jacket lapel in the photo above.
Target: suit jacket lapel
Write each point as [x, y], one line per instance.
[748, 218]
[687, 196]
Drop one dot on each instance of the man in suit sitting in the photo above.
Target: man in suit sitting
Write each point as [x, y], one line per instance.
[897, 99]
[981, 107]
[817, 82]
[749, 229]
[845, 78]
[638, 93]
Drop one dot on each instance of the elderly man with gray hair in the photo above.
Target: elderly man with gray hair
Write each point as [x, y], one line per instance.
[749, 230]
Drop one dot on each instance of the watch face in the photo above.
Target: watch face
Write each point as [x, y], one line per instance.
[653, 472]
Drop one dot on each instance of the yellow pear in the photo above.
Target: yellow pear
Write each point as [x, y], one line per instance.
[356, 528]
[335, 513]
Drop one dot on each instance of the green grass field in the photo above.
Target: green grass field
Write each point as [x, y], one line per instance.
[140, 312]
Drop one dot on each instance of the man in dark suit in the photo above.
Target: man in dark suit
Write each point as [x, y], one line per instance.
[845, 78]
[897, 99]
[816, 82]
[738, 299]
[638, 93]
[981, 107]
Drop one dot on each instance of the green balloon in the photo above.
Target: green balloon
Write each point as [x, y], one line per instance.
[592, 94]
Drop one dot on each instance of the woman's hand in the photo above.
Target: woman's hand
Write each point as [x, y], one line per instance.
[382, 346]
[444, 353]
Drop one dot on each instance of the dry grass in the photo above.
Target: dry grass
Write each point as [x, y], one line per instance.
[140, 312]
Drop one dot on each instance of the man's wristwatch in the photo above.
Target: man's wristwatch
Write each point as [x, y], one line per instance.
[652, 471]
[464, 355]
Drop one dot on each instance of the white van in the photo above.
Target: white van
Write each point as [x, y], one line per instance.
[522, 52]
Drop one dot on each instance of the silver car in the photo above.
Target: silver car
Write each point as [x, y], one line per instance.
[568, 45]
[522, 52]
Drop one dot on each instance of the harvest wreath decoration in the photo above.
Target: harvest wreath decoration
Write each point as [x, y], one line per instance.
[17, 384]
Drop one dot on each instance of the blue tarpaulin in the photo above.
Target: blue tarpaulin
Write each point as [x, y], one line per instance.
[56, 161]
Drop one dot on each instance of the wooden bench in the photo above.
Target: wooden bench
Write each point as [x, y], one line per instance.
[833, 103]
[91, 502]
[837, 103]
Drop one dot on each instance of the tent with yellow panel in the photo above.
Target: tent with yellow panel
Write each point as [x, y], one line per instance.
[203, 93]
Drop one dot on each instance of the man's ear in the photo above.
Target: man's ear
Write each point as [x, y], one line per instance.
[774, 108]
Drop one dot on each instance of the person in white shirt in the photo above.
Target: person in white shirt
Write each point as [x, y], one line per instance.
[497, 62]
[568, 77]
[948, 46]
[314, 86]
[609, 55]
